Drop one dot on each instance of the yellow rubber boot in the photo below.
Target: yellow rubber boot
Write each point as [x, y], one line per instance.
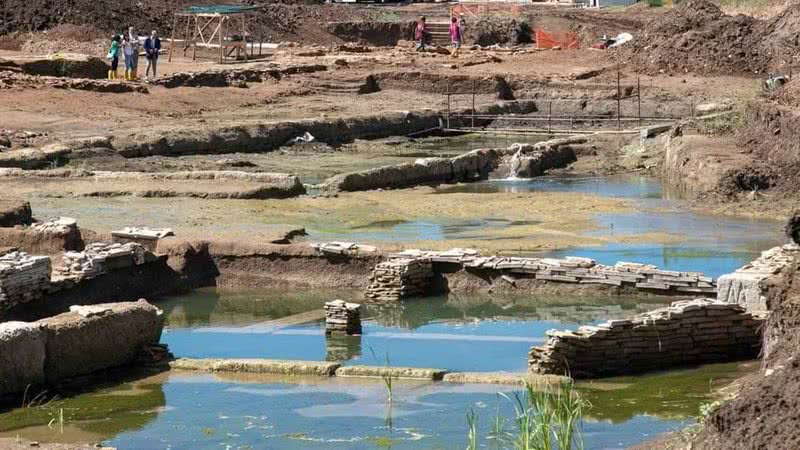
[110, 75]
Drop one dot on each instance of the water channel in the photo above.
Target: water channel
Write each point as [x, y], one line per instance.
[468, 333]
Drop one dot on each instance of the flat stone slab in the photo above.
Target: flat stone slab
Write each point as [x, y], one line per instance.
[394, 372]
[504, 378]
[257, 365]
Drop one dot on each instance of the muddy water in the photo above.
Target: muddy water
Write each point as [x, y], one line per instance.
[457, 333]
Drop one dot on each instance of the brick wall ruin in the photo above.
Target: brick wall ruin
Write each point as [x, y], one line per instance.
[685, 333]
[747, 286]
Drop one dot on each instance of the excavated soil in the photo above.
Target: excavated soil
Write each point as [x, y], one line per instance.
[698, 37]
[764, 412]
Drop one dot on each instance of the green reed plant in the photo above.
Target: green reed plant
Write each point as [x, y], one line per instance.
[547, 419]
[472, 434]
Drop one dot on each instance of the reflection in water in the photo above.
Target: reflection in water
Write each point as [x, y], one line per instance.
[199, 411]
[89, 416]
[340, 347]
[455, 332]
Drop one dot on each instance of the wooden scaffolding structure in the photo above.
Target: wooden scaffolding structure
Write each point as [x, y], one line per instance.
[213, 26]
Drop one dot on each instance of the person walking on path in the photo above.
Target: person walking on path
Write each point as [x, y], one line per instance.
[455, 36]
[421, 34]
[127, 52]
[133, 37]
[113, 55]
[151, 48]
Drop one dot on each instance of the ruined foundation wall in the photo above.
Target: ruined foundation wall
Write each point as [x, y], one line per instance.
[267, 137]
[237, 264]
[522, 160]
[686, 333]
[85, 340]
[90, 338]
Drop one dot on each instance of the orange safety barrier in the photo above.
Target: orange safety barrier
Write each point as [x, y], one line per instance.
[564, 39]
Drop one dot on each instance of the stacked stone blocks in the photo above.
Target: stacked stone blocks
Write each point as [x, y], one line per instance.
[685, 333]
[23, 278]
[400, 278]
[573, 270]
[101, 257]
[342, 318]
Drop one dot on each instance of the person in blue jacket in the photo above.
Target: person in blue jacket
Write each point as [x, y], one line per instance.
[152, 45]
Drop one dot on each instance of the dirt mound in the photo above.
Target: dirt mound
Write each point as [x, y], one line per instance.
[296, 20]
[764, 413]
[697, 37]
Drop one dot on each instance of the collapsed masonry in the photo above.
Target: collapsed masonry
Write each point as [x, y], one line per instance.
[748, 285]
[410, 272]
[685, 333]
[23, 278]
[101, 257]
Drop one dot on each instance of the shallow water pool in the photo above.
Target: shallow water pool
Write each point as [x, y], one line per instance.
[180, 410]
[455, 332]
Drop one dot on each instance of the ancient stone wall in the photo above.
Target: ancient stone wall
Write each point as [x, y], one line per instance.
[23, 278]
[748, 285]
[22, 352]
[102, 257]
[519, 160]
[85, 340]
[572, 270]
[687, 332]
[90, 338]
[400, 278]
[471, 166]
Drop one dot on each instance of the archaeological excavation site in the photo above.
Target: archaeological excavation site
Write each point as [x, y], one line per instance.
[307, 224]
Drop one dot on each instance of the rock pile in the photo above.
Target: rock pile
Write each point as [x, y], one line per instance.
[748, 285]
[573, 270]
[400, 278]
[342, 248]
[22, 278]
[687, 332]
[100, 257]
[147, 237]
[342, 317]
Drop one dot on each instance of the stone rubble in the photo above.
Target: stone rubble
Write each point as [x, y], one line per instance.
[100, 257]
[399, 278]
[685, 333]
[148, 237]
[22, 278]
[747, 285]
[61, 226]
[343, 248]
[342, 318]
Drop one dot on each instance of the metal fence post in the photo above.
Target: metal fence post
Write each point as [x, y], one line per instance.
[619, 100]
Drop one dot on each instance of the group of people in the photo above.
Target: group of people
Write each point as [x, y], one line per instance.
[127, 46]
[456, 29]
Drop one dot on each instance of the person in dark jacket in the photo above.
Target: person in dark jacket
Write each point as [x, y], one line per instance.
[113, 55]
[152, 45]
